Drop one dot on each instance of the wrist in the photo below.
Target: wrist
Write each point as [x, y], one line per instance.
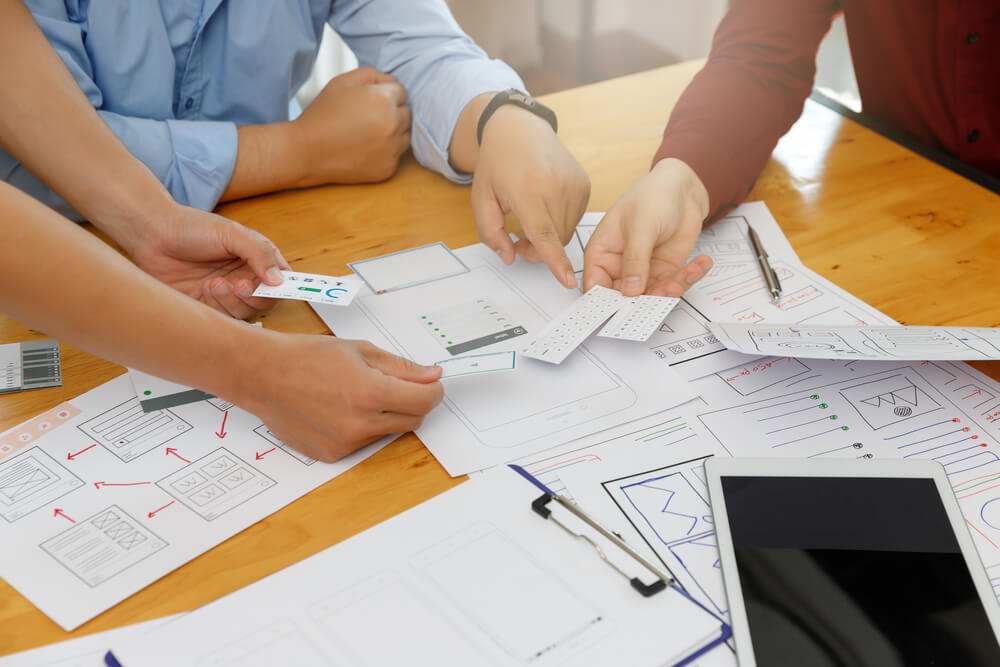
[671, 169]
[133, 211]
[243, 351]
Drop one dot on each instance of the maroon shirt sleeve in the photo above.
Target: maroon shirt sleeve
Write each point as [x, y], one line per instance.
[750, 92]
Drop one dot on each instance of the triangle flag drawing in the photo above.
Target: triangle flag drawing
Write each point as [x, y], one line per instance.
[904, 395]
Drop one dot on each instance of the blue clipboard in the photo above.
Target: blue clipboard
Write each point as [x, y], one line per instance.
[539, 507]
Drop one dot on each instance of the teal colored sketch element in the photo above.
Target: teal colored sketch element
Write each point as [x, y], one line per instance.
[513, 363]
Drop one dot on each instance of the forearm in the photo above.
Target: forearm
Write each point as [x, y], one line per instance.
[269, 158]
[751, 90]
[47, 123]
[103, 304]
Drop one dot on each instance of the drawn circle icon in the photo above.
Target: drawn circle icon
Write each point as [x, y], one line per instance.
[990, 513]
[330, 292]
[63, 414]
[24, 437]
[903, 411]
[5, 448]
[44, 426]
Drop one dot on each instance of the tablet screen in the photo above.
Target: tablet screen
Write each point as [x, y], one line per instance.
[854, 571]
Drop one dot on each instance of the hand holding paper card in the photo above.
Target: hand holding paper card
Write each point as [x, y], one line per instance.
[312, 287]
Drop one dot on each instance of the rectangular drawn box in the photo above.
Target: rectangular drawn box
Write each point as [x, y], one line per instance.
[103, 545]
[128, 432]
[31, 480]
[215, 484]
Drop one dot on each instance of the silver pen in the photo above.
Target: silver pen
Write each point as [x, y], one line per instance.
[770, 277]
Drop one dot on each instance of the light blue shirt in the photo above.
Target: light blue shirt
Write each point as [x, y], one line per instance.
[174, 78]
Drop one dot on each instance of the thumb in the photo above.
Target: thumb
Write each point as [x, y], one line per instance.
[490, 222]
[401, 368]
[256, 250]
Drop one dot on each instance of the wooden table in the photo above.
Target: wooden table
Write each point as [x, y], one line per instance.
[906, 235]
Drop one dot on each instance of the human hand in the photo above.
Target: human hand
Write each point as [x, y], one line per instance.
[356, 129]
[642, 244]
[523, 168]
[207, 257]
[328, 397]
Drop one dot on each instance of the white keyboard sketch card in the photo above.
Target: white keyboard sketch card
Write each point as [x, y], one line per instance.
[909, 343]
[99, 499]
[471, 577]
[497, 417]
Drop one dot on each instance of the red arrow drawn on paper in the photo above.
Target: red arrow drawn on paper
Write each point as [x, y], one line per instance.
[171, 450]
[59, 512]
[261, 455]
[98, 485]
[978, 392]
[70, 457]
[222, 429]
[154, 512]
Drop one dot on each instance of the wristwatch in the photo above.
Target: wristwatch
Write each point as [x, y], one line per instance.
[518, 99]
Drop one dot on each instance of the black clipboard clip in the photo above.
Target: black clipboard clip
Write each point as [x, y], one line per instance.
[540, 506]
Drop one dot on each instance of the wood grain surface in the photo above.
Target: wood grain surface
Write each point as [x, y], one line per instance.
[906, 235]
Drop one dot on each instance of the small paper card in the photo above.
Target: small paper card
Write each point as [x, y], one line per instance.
[475, 364]
[312, 287]
[639, 319]
[407, 268]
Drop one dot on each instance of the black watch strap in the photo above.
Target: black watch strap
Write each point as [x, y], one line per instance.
[518, 99]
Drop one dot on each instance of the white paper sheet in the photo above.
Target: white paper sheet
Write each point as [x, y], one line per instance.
[734, 291]
[945, 411]
[861, 342]
[489, 419]
[471, 577]
[88, 651]
[98, 499]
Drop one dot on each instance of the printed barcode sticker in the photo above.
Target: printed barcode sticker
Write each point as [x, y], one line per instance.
[31, 365]
[574, 325]
[639, 319]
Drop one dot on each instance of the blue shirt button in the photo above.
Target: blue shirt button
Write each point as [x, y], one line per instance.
[189, 103]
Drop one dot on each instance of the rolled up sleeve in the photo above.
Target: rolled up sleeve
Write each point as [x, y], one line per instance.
[442, 69]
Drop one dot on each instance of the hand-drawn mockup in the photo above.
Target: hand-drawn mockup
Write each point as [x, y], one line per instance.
[496, 417]
[469, 577]
[861, 342]
[98, 499]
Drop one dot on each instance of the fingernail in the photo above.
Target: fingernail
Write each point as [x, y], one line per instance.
[632, 280]
[221, 288]
[244, 289]
[274, 276]
[692, 277]
[570, 279]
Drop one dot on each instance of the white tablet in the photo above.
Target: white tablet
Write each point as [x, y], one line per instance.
[848, 562]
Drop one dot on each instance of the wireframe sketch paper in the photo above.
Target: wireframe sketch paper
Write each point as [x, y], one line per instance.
[99, 499]
[861, 342]
[734, 291]
[486, 419]
[471, 577]
[943, 410]
[88, 651]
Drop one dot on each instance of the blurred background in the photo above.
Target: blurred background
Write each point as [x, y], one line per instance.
[559, 44]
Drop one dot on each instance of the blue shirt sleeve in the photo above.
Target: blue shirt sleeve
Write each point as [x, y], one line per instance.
[442, 69]
[194, 159]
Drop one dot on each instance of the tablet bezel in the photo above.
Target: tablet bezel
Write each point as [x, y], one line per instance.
[718, 467]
